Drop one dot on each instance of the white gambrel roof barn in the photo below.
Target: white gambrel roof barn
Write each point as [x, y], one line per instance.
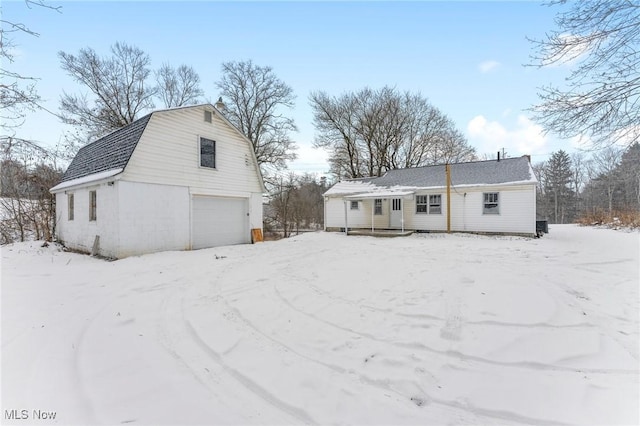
[176, 179]
[496, 196]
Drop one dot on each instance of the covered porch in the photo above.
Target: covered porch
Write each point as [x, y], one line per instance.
[385, 211]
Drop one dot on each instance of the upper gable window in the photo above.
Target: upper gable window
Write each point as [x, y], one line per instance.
[208, 116]
[207, 153]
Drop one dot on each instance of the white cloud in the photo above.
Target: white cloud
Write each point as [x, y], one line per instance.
[488, 66]
[310, 159]
[525, 137]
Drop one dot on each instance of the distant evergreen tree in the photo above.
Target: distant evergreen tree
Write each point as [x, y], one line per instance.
[558, 178]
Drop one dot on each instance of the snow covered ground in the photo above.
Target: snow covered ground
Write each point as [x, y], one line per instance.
[328, 329]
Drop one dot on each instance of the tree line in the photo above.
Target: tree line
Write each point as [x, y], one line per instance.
[366, 132]
[598, 188]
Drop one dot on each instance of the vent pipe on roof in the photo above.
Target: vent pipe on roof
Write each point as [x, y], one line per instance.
[498, 156]
[220, 106]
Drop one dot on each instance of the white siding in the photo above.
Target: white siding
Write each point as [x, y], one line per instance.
[169, 153]
[152, 218]
[516, 204]
[517, 212]
[79, 233]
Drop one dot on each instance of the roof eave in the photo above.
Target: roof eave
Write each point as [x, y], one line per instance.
[96, 178]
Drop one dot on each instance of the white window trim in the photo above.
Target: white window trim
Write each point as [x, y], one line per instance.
[429, 203]
[215, 153]
[484, 204]
[426, 204]
[375, 204]
[71, 207]
[93, 208]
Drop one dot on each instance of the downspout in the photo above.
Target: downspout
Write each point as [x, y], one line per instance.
[447, 168]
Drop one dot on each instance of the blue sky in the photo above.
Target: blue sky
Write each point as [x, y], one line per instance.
[467, 58]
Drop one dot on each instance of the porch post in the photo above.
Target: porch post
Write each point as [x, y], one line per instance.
[346, 224]
[402, 212]
[373, 207]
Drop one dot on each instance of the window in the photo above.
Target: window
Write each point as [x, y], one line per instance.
[490, 203]
[396, 204]
[207, 153]
[208, 116]
[354, 205]
[93, 204]
[435, 204]
[377, 206]
[431, 204]
[421, 203]
[70, 209]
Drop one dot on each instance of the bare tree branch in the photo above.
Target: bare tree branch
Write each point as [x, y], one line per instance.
[254, 97]
[371, 131]
[118, 85]
[602, 95]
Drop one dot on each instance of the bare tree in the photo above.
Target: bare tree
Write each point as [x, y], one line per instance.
[118, 86]
[254, 98]
[607, 162]
[27, 208]
[371, 131]
[602, 96]
[18, 93]
[178, 87]
[578, 177]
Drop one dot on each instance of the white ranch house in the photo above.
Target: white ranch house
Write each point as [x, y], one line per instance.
[496, 197]
[176, 179]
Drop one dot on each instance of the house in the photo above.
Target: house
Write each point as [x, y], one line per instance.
[176, 179]
[497, 197]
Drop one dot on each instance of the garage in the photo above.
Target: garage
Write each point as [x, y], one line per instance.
[218, 221]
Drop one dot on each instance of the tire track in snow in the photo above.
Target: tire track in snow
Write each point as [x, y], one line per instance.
[169, 322]
[385, 385]
[457, 354]
[249, 384]
[78, 378]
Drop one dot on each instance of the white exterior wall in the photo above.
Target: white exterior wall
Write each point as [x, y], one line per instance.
[169, 153]
[517, 206]
[148, 206]
[517, 210]
[152, 218]
[79, 233]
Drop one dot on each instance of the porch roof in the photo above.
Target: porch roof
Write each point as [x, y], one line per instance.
[380, 194]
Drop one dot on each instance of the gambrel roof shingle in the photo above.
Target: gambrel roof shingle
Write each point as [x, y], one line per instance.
[107, 153]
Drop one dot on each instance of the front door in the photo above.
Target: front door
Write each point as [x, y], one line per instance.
[396, 213]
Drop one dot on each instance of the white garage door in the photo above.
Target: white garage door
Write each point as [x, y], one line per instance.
[219, 221]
